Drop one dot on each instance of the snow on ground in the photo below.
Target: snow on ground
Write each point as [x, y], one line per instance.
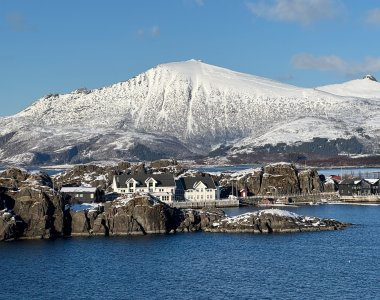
[298, 131]
[212, 106]
[278, 212]
[246, 219]
[363, 88]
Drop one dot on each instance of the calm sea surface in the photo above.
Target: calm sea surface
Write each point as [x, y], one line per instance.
[318, 265]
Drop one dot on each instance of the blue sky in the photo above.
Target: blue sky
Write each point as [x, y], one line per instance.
[49, 46]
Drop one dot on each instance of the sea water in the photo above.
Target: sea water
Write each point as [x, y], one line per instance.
[342, 264]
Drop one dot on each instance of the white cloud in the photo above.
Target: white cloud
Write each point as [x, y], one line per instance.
[153, 31]
[373, 16]
[298, 11]
[336, 64]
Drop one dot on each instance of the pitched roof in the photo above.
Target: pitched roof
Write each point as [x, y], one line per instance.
[164, 179]
[347, 181]
[78, 189]
[372, 181]
[189, 182]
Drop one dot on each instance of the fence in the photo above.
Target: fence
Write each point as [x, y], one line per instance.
[293, 198]
[202, 204]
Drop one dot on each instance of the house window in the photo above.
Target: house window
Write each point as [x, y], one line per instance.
[131, 190]
[92, 196]
[81, 195]
[201, 197]
[131, 184]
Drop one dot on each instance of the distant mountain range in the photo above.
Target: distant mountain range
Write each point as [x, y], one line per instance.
[192, 109]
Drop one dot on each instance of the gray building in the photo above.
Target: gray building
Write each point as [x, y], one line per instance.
[82, 194]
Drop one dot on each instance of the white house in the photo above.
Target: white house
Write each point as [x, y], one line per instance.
[198, 188]
[161, 186]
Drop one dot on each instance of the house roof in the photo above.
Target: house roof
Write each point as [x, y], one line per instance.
[347, 181]
[189, 182]
[372, 181]
[335, 178]
[164, 179]
[78, 189]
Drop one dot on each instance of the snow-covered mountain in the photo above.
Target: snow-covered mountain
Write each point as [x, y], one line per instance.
[185, 109]
[368, 87]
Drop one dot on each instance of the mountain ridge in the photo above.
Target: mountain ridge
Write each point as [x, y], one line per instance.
[182, 110]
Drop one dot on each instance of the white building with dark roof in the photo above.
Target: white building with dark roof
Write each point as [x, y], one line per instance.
[161, 186]
[198, 188]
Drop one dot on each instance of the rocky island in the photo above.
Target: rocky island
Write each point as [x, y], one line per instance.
[31, 209]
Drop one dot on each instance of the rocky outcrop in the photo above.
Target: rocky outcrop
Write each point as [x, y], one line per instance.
[91, 175]
[280, 179]
[29, 206]
[275, 180]
[253, 181]
[197, 220]
[163, 163]
[139, 215]
[273, 221]
[309, 181]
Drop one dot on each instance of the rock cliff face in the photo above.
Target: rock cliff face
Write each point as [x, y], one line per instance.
[140, 215]
[277, 179]
[29, 208]
[280, 179]
[91, 174]
[309, 181]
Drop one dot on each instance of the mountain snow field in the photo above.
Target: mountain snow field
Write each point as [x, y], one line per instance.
[185, 109]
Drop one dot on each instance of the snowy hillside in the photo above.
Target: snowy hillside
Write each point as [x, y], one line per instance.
[363, 88]
[181, 110]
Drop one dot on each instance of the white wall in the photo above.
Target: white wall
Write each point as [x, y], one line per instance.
[200, 193]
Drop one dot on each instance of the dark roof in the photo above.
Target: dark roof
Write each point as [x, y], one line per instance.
[189, 182]
[164, 179]
[347, 181]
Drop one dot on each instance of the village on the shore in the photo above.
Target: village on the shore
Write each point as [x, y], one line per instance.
[273, 185]
[162, 197]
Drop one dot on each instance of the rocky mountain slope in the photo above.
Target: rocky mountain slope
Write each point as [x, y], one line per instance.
[188, 109]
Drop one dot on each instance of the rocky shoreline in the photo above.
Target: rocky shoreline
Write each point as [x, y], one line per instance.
[31, 209]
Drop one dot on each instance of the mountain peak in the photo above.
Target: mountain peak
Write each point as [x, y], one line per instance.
[186, 109]
[370, 77]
